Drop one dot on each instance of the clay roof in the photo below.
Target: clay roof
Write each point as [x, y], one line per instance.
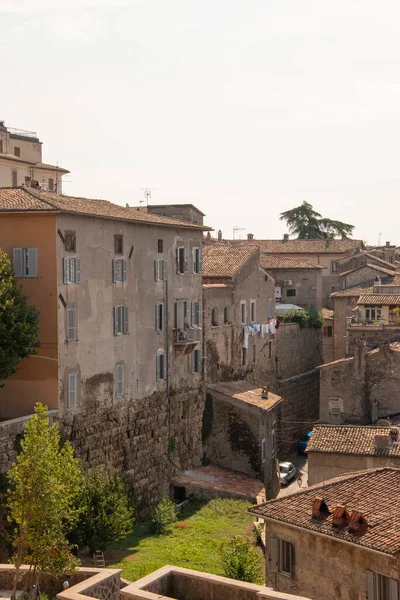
[50, 167]
[386, 299]
[29, 200]
[16, 158]
[327, 313]
[374, 267]
[244, 391]
[381, 261]
[350, 439]
[374, 493]
[224, 260]
[306, 246]
[268, 261]
[350, 292]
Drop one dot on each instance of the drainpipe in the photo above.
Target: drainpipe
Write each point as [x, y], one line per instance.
[167, 353]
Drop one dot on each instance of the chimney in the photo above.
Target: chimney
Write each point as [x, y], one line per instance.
[387, 243]
[219, 235]
[208, 236]
[394, 435]
[285, 237]
[320, 509]
[340, 517]
[250, 236]
[382, 441]
[357, 524]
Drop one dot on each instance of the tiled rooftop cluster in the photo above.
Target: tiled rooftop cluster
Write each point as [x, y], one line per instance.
[268, 261]
[330, 246]
[350, 439]
[224, 260]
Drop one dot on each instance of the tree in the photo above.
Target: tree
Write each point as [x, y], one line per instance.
[240, 560]
[105, 512]
[43, 483]
[308, 224]
[18, 321]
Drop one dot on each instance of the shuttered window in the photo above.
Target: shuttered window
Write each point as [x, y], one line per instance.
[196, 361]
[197, 260]
[160, 270]
[25, 262]
[120, 319]
[252, 311]
[72, 270]
[120, 379]
[72, 333]
[160, 317]
[161, 366]
[119, 270]
[196, 313]
[243, 312]
[72, 390]
[280, 557]
[181, 260]
[381, 587]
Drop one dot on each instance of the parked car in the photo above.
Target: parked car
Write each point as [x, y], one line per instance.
[287, 472]
[302, 447]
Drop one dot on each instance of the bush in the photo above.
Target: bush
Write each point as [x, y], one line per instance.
[163, 516]
[239, 560]
[307, 317]
[257, 532]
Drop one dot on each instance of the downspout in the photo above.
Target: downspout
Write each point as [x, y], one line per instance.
[167, 389]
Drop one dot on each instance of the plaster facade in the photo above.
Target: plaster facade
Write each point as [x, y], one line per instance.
[323, 465]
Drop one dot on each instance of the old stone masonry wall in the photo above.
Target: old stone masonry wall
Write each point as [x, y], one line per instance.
[148, 440]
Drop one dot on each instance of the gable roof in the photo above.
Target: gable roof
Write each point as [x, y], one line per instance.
[29, 200]
[377, 268]
[384, 263]
[269, 261]
[327, 246]
[224, 260]
[378, 299]
[374, 493]
[351, 292]
[350, 439]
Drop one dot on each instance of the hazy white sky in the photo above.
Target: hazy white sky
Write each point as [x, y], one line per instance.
[244, 109]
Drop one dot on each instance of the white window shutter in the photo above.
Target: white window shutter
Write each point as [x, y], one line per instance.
[270, 309]
[194, 304]
[157, 317]
[194, 259]
[155, 270]
[165, 270]
[200, 250]
[393, 589]
[199, 314]
[32, 262]
[17, 261]
[115, 311]
[273, 555]
[369, 584]
[77, 270]
[65, 269]
[185, 254]
[177, 260]
[158, 367]
[162, 317]
[114, 272]
[124, 269]
[125, 311]
[188, 310]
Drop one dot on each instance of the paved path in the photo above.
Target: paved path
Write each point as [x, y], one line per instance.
[300, 462]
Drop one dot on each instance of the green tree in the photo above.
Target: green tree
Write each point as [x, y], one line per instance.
[18, 321]
[44, 482]
[163, 515]
[307, 224]
[240, 560]
[105, 512]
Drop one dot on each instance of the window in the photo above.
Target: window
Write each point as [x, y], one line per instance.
[72, 270]
[14, 175]
[72, 333]
[120, 379]
[226, 315]
[160, 245]
[254, 353]
[280, 556]
[25, 262]
[120, 319]
[182, 314]
[336, 406]
[244, 357]
[181, 260]
[252, 311]
[1, 146]
[243, 312]
[70, 241]
[72, 390]
[373, 314]
[196, 314]
[51, 184]
[119, 270]
[161, 366]
[160, 270]
[336, 375]
[214, 321]
[17, 151]
[118, 244]
[197, 260]
[291, 292]
[263, 450]
[381, 587]
[160, 317]
[196, 361]
[334, 266]
[327, 331]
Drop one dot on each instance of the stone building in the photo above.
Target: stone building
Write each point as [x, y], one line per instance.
[21, 161]
[366, 273]
[334, 450]
[119, 293]
[237, 295]
[328, 334]
[362, 388]
[183, 212]
[243, 431]
[372, 257]
[336, 539]
[296, 281]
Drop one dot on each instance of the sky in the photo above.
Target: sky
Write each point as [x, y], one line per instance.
[244, 109]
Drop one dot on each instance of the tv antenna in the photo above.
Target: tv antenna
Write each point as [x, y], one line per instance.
[147, 195]
[236, 229]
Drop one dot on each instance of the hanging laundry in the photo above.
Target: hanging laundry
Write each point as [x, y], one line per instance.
[272, 326]
[257, 327]
[277, 323]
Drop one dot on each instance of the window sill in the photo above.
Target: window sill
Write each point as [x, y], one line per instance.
[287, 575]
[214, 326]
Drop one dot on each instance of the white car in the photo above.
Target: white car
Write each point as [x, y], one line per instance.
[287, 472]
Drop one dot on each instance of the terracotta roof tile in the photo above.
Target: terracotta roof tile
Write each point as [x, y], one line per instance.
[350, 439]
[381, 261]
[269, 261]
[327, 313]
[386, 299]
[375, 493]
[16, 158]
[306, 246]
[29, 200]
[224, 260]
[374, 267]
[351, 292]
[50, 167]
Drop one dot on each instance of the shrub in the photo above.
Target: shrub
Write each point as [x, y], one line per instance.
[307, 317]
[257, 532]
[163, 515]
[240, 560]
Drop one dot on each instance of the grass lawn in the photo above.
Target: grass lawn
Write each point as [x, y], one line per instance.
[192, 542]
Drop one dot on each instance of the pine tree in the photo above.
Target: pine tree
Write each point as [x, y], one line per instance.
[307, 224]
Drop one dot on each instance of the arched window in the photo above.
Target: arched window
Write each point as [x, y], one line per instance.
[226, 317]
[214, 322]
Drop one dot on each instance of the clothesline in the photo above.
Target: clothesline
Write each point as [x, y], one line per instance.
[259, 329]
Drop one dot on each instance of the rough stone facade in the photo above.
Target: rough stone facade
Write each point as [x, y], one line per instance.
[343, 308]
[364, 274]
[366, 386]
[372, 336]
[306, 285]
[297, 350]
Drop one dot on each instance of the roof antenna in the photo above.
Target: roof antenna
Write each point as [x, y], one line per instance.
[236, 229]
[147, 195]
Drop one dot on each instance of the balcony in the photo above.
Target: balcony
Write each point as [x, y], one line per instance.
[352, 322]
[185, 340]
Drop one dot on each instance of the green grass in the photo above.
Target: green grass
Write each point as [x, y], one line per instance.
[192, 542]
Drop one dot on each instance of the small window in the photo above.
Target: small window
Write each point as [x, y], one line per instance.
[181, 260]
[226, 315]
[252, 311]
[72, 333]
[120, 379]
[120, 319]
[1, 146]
[263, 450]
[160, 245]
[161, 367]
[197, 260]
[118, 244]
[17, 151]
[291, 292]
[196, 314]
[254, 353]
[160, 317]
[214, 320]
[72, 270]
[196, 361]
[244, 357]
[119, 270]
[70, 241]
[14, 178]
[336, 376]
[381, 587]
[334, 266]
[25, 262]
[51, 184]
[243, 312]
[72, 390]
[285, 564]
[327, 331]
[160, 270]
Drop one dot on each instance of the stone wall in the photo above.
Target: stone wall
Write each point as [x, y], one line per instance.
[343, 307]
[362, 275]
[372, 336]
[297, 350]
[306, 282]
[323, 466]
